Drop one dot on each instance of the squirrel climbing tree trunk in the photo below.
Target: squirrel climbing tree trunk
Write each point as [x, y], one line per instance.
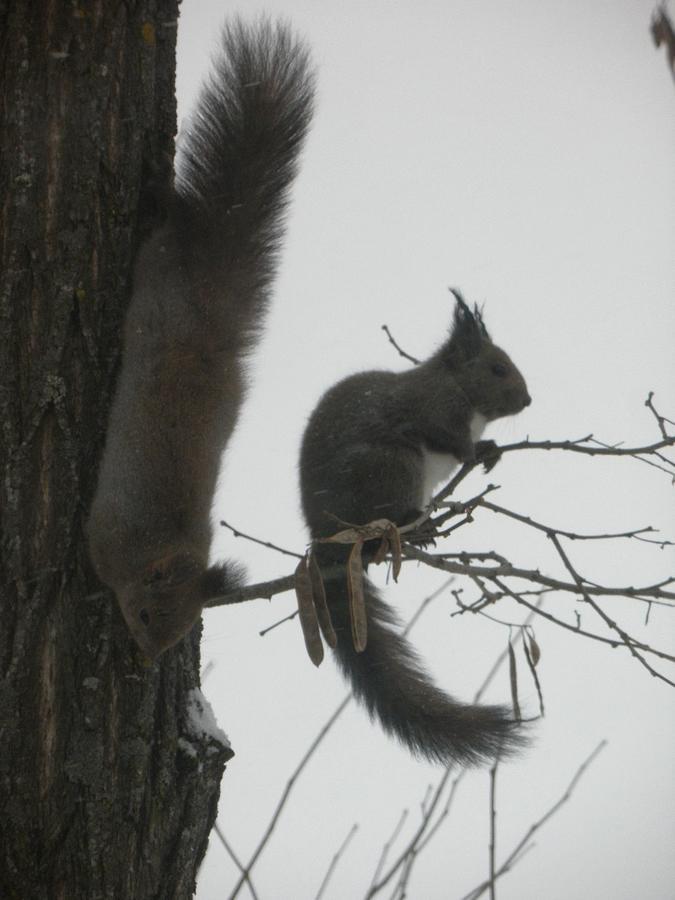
[98, 799]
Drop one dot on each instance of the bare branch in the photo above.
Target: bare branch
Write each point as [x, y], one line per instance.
[263, 590]
[492, 573]
[375, 888]
[400, 351]
[574, 536]
[288, 618]
[443, 815]
[427, 830]
[235, 859]
[611, 624]
[587, 445]
[245, 873]
[335, 860]
[612, 642]
[534, 576]
[660, 420]
[256, 540]
[518, 851]
[584, 445]
[493, 836]
[386, 848]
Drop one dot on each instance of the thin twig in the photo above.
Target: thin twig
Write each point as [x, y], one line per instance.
[506, 570]
[276, 624]
[386, 848]
[335, 860]
[255, 540]
[286, 793]
[611, 624]
[235, 859]
[425, 603]
[406, 871]
[660, 420]
[520, 847]
[206, 671]
[441, 818]
[303, 762]
[374, 888]
[597, 449]
[493, 837]
[577, 629]
[572, 535]
[427, 829]
[401, 352]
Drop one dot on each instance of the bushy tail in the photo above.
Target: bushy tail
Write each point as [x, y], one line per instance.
[388, 679]
[239, 154]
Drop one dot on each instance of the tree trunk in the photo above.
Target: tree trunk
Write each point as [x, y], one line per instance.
[108, 781]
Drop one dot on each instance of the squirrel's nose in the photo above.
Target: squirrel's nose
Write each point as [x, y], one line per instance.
[527, 400]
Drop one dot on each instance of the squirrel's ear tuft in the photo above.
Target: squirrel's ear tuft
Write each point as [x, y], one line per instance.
[468, 331]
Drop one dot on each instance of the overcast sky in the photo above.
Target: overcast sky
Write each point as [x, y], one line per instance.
[522, 152]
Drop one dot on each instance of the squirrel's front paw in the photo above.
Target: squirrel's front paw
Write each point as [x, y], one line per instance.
[424, 535]
[487, 453]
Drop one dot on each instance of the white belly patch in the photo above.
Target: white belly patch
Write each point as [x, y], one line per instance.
[437, 467]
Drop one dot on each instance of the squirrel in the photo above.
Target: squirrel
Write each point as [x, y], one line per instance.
[375, 447]
[200, 290]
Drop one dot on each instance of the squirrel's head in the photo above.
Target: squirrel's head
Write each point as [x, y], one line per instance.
[165, 603]
[486, 374]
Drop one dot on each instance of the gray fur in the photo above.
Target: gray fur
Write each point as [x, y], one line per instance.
[363, 458]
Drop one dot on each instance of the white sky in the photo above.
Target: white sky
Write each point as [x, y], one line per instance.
[524, 153]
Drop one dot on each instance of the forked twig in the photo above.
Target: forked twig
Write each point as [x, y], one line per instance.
[335, 860]
[521, 847]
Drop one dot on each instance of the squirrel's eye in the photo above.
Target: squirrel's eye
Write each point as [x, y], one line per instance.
[499, 369]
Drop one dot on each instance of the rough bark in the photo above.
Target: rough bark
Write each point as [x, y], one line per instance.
[104, 790]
